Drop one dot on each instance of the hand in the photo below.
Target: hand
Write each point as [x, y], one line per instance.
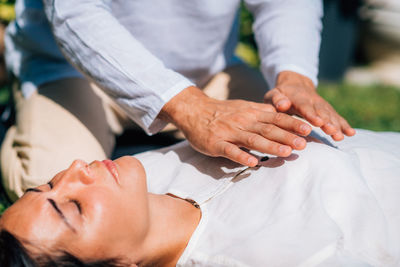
[219, 128]
[295, 94]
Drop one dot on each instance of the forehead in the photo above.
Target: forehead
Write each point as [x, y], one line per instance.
[31, 218]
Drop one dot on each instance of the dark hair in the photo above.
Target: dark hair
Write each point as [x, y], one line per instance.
[14, 254]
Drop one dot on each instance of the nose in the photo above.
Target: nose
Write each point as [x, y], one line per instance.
[80, 170]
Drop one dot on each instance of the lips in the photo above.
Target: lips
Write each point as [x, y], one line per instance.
[112, 168]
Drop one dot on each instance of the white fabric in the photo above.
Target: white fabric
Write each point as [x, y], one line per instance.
[144, 52]
[323, 206]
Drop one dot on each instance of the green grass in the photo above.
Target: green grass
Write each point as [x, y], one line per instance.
[4, 95]
[3, 206]
[374, 107]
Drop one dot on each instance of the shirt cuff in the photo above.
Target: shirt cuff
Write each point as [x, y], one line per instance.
[153, 124]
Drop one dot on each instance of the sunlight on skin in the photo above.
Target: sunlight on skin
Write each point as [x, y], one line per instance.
[101, 210]
[296, 94]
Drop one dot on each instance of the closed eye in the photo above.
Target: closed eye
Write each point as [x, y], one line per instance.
[78, 205]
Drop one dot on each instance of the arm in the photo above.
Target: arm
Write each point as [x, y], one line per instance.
[288, 36]
[100, 47]
[94, 41]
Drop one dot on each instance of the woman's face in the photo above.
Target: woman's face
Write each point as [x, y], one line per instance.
[93, 211]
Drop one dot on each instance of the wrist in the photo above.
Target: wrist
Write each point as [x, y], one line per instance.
[178, 108]
[291, 78]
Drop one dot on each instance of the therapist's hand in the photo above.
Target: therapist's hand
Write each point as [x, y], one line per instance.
[220, 128]
[295, 94]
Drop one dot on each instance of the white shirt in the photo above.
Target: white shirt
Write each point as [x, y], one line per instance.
[323, 206]
[144, 52]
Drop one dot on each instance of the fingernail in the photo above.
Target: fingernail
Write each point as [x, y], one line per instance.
[350, 131]
[284, 150]
[305, 128]
[299, 142]
[252, 161]
[281, 103]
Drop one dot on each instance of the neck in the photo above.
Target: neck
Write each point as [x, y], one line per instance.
[172, 223]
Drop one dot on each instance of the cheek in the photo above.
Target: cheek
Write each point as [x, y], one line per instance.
[99, 206]
[101, 227]
[111, 227]
[118, 213]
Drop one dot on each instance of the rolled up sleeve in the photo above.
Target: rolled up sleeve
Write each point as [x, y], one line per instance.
[288, 35]
[93, 40]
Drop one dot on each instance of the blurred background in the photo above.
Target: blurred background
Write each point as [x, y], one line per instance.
[359, 62]
[359, 70]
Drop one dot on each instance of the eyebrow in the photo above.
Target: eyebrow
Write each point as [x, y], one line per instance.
[61, 214]
[38, 190]
[33, 190]
[54, 205]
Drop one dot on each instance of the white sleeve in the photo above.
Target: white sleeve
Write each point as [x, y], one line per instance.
[95, 42]
[288, 35]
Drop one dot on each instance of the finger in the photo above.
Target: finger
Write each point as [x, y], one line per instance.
[268, 97]
[264, 107]
[256, 142]
[341, 124]
[234, 153]
[338, 136]
[330, 126]
[276, 134]
[349, 131]
[285, 122]
[323, 112]
[306, 110]
[333, 121]
[346, 128]
[279, 100]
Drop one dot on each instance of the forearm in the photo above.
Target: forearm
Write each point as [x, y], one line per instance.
[95, 42]
[288, 36]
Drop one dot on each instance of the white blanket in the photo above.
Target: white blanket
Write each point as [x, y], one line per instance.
[328, 205]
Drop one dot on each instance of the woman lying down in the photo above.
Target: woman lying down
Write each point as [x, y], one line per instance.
[324, 206]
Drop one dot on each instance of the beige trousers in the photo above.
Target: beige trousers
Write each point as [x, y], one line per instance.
[72, 119]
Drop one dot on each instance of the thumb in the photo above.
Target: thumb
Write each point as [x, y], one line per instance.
[279, 100]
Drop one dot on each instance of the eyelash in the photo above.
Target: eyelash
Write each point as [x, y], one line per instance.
[76, 202]
[78, 205]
